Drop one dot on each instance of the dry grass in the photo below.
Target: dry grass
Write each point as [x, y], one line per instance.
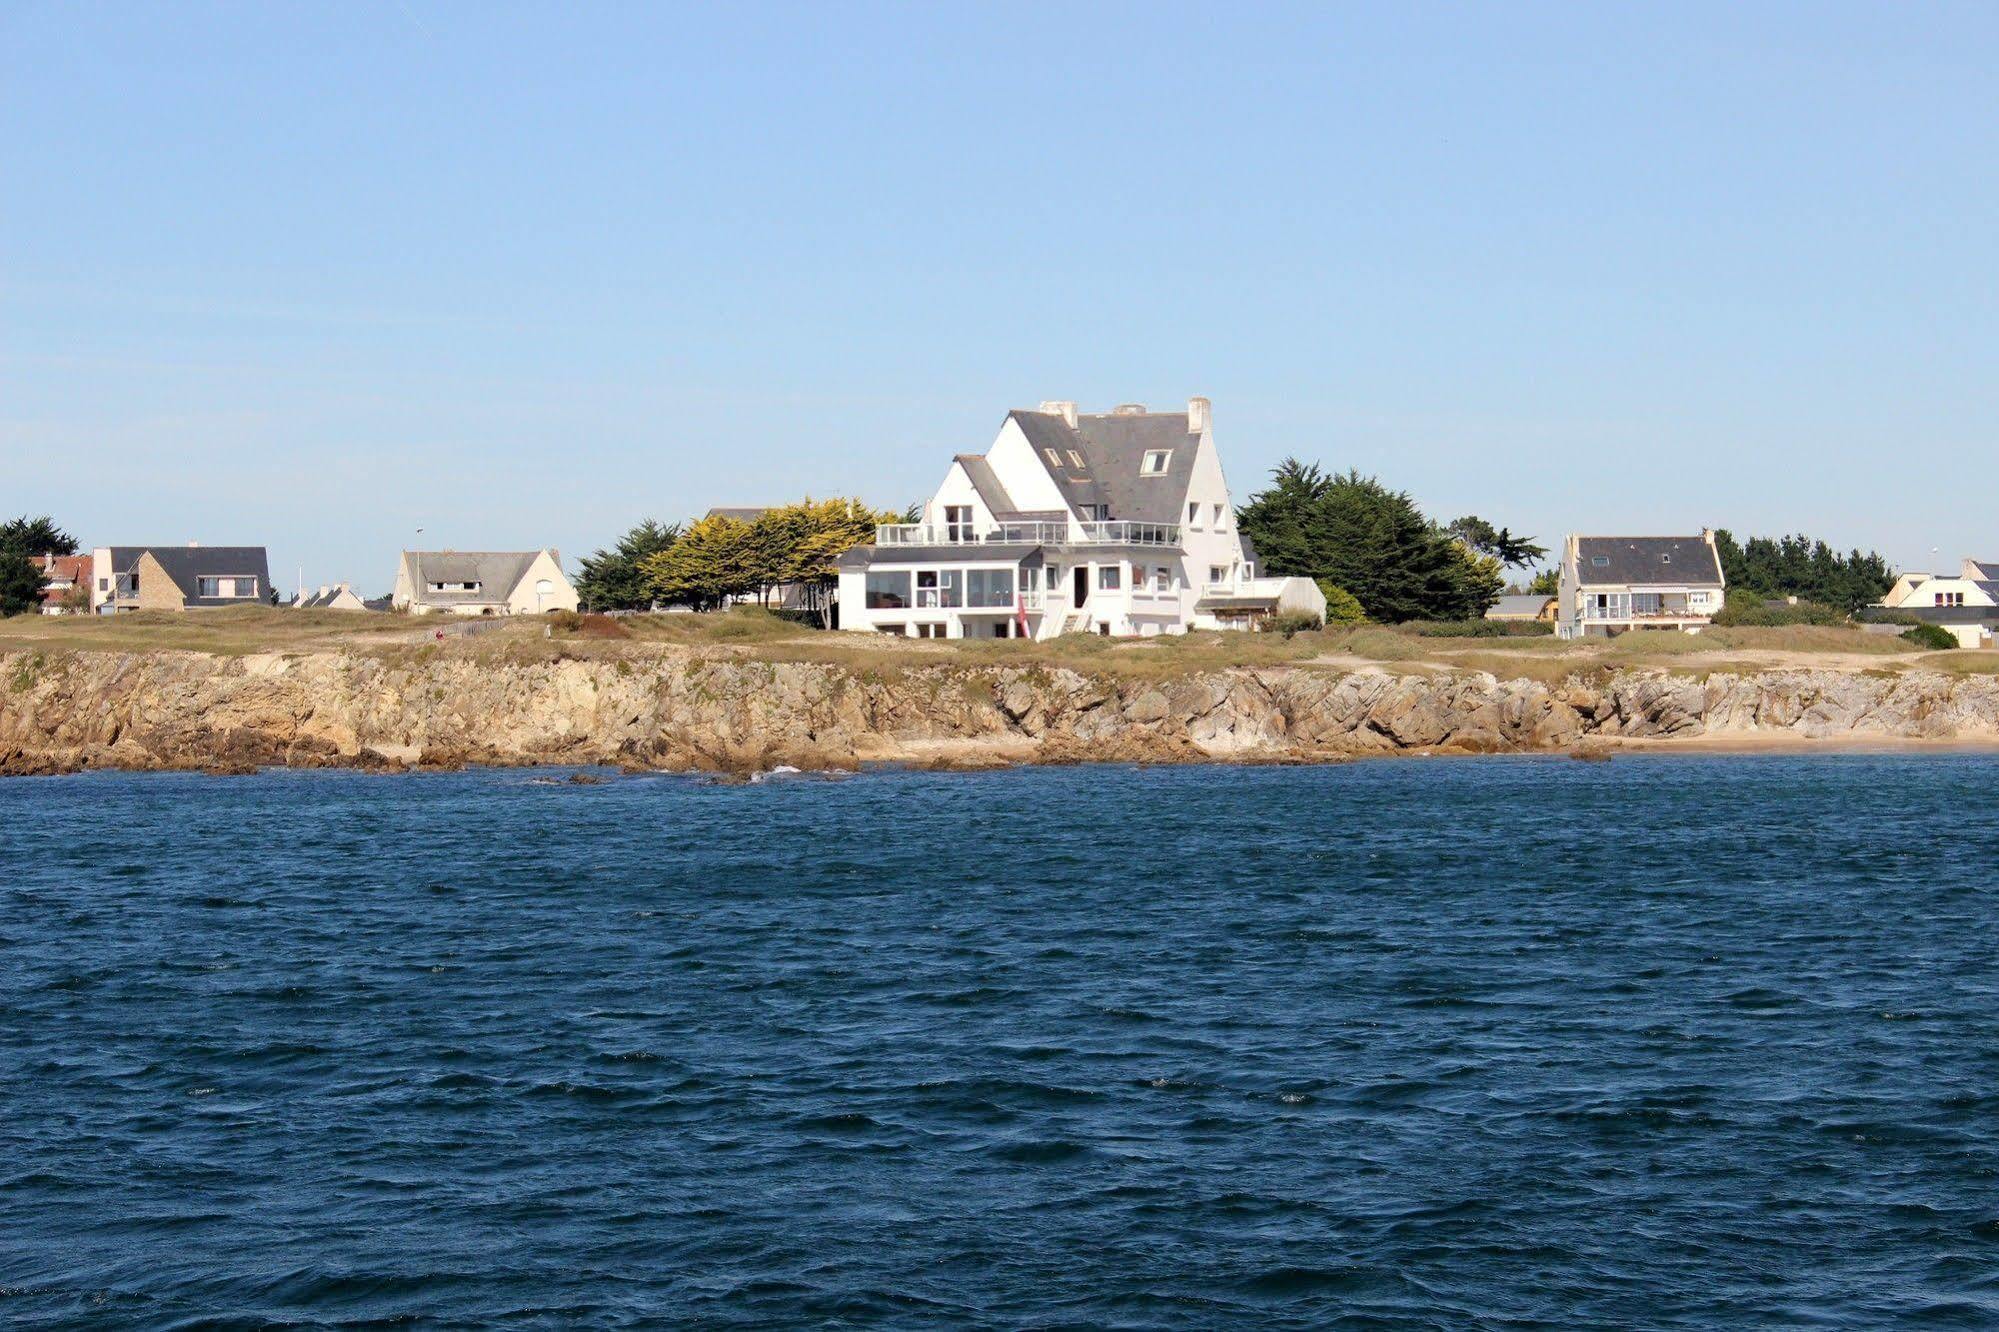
[755, 634]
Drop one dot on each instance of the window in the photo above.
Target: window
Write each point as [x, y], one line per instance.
[989, 587]
[957, 522]
[1162, 580]
[1219, 511]
[1249, 570]
[1003, 629]
[1193, 515]
[1075, 460]
[888, 591]
[1110, 577]
[1030, 579]
[104, 585]
[1054, 458]
[1217, 575]
[1054, 577]
[1666, 557]
[930, 631]
[1154, 462]
[1599, 561]
[454, 587]
[224, 588]
[938, 589]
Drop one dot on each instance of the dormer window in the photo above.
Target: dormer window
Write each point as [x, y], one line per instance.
[1154, 463]
[1665, 559]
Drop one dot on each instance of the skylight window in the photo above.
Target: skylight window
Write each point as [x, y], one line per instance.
[1665, 559]
[1054, 458]
[1154, 463]
[1599, 561]
[1075, 460]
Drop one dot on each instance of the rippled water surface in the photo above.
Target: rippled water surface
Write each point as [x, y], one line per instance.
[1665, 1042]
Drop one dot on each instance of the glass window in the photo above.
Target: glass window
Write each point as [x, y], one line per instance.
[1154, 462]
[1162, 580]
[937, 589]
[1054, 458]
[1075, 460]
[1193, 515]
[989, 587]
[1110, 577]
[888, 590]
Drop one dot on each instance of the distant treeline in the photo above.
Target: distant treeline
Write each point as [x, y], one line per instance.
[1802, 567]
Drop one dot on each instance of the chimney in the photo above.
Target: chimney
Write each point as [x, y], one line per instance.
[1200, 416]
[1065, 410]
[193, 545]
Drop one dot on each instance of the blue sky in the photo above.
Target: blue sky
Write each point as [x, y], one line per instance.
[319, 276]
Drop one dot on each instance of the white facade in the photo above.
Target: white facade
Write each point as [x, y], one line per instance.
[1611, 585]
[1118, 524]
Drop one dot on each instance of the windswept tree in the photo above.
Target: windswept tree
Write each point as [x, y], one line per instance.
[710, 563]
[1356, 533]
[1499, 542]
[614, 579]
[35, 536]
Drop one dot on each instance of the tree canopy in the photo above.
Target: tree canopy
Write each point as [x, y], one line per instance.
[797, 545]
[1500, 543]
[613, 579]
[35, 536]
[1355, 532]
[1799, 566]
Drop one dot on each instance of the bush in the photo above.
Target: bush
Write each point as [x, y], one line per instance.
[1748, 612]
[1933, 637]
[1294, 622]
[1342, 606]
[1481, 628]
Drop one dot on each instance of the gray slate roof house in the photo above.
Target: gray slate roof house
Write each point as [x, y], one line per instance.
[1520, 606]
[1111, 449]
[747, 513]
[1689, 561]
[483, 582]
[201, 577]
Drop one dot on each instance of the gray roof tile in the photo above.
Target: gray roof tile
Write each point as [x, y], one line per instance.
[1680, 561]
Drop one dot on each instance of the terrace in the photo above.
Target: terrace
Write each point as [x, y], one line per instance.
[1116, 533]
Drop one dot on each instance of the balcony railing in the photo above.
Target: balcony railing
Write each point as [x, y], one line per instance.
[1118, 533]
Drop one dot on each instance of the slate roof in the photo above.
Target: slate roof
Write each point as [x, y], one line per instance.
[497, 572]
[867, 556]
[986, 481]
[187, 565]
[1982, 571]
[1518, 605]
[327, 596]
[1112, 446]
[741, 513]
[1638, 561]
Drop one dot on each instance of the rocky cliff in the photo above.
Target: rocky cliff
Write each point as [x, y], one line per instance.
[62, 712]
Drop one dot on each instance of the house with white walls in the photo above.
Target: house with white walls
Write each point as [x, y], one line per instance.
[1613, 584]
[1119, 524]
[1965, 603]
[488, 582]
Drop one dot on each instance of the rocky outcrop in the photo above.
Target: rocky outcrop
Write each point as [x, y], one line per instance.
[684, 711]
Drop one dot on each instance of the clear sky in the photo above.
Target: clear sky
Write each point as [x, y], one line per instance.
[317, 276]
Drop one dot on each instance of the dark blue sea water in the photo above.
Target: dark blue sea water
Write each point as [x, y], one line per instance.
[1673, 1042]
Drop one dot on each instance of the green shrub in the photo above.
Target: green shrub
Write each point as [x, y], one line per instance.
[1342, 606]
[1749, 612]
[1934, 637]
[1481, 628]
[1293, 622]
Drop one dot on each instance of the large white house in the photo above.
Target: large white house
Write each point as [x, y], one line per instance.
[1613, 584]
[488, 582]
[1113, 524]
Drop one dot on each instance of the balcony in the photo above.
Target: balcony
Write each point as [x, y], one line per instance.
[1117, 533]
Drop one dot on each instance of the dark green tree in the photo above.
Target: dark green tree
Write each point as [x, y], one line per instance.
[612, 579]
[1799, 566]
[1499, 542]
[20, 583]
[35, 536]
[1355, 532]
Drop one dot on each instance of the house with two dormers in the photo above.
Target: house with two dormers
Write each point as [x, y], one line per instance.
[1119, 523]
[1613, 584]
